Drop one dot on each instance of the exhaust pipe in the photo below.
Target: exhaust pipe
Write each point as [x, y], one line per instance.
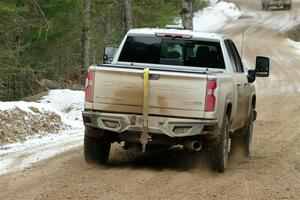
[192, 145]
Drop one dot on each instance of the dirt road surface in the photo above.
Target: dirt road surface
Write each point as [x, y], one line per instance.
[271, 172]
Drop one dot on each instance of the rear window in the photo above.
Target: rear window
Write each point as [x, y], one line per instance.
[168, 51]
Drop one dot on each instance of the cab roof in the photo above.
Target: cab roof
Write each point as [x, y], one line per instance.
[192, 34]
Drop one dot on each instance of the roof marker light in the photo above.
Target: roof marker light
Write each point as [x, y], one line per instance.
[174, 36]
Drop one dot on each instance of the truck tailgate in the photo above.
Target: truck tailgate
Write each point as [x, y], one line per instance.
[170, 93]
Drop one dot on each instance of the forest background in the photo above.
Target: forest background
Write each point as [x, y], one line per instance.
[44, 39]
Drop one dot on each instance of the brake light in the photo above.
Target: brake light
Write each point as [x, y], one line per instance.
[89, 86]
[173, 36]
[210, 96]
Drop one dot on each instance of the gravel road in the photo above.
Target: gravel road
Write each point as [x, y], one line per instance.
[271, 172]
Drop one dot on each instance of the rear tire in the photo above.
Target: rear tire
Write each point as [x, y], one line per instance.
[222, 149]
[96, 150]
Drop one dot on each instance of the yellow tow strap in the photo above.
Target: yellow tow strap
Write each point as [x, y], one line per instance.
[145, 136]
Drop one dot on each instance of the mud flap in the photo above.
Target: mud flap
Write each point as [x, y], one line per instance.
[145, 136]
[254, 114]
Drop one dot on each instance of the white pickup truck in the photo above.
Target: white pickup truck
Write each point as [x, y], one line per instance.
[169, 87]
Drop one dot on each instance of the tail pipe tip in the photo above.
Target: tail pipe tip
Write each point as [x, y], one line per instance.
[192, 145]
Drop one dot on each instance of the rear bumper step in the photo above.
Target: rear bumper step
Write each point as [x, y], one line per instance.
[172, 127]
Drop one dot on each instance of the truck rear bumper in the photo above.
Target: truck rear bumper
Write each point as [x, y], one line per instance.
[172, 127]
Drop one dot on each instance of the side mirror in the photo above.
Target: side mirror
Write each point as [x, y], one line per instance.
[109, 53]
[262, 66]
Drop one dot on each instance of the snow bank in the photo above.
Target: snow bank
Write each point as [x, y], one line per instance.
[67, 105]
[62, 107]
[215, 16]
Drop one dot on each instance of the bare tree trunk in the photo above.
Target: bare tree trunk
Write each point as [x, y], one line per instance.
[85, 35]
[187, 14]
[128, 15]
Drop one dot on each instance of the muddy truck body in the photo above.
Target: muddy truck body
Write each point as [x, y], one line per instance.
[169, 87]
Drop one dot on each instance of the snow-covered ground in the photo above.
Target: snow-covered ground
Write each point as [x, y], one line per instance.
[294, 44]
[283, 21]
[68, 105]
[219, 14]
[215, 16]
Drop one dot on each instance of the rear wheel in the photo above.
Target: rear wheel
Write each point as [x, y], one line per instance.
[96, 149]
[222, 149]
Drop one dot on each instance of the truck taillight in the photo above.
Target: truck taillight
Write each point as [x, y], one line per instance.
[89, 86]
[210, 96]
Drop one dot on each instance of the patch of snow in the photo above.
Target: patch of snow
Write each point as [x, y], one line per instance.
[213, 1]
[36, 149]
[5, 165]
[68, 105]
[25, 106]
[294, 44]
[282, 22]
[215, 16]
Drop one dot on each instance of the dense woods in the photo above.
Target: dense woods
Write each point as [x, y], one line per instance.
[43, 39]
